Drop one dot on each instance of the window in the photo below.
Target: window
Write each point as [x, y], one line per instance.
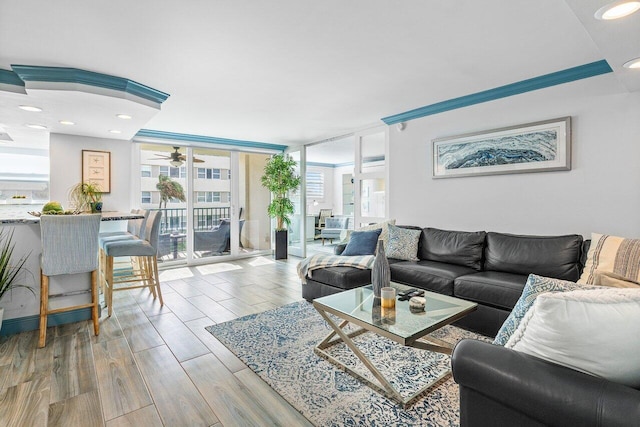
[145, 171]
[146, 197]
[315, 185]
[216, 173]
[164, 170]
[183, 172]
[201, 197]
[209, 174]
[202, 173]
[229, 174]
[216, 196]
[174, 172]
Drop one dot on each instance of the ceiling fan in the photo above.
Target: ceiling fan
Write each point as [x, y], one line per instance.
[176, 158]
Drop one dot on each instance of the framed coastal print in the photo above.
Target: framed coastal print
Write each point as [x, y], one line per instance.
[96, 168]
[533, 147]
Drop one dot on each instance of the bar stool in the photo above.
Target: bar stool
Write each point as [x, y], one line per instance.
[69, 246]
[146, 270]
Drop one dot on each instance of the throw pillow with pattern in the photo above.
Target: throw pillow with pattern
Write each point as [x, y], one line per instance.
[612, 254]
[403, 243]
[536, 285]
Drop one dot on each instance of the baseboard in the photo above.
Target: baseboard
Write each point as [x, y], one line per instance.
[32, 323]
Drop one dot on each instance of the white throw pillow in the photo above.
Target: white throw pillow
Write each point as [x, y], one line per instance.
[593, 331]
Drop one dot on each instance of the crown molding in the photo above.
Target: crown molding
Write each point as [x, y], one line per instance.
[32, 73]
[173, 136]
[540, 82]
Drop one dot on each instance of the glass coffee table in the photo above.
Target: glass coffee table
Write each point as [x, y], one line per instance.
[401, 325]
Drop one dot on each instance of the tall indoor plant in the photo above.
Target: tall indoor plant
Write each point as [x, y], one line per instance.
[10, 268]
[280, 179]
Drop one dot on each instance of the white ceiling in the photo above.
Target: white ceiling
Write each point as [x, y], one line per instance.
[297, 71]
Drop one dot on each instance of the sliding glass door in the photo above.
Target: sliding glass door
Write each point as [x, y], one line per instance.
[212, 202]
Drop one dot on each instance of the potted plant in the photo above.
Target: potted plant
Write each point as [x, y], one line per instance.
[86, 197]
[9, 268]
[280, 178]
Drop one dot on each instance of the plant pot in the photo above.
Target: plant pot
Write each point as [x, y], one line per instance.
[96, 207]
[281, 244]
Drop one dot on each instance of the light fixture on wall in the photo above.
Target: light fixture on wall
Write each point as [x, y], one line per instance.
[617, 9]
[401, 126]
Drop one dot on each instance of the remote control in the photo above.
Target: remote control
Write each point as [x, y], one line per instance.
[407, 292]
[414, 293]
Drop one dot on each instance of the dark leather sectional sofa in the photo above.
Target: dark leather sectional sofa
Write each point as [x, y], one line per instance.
[484, 267]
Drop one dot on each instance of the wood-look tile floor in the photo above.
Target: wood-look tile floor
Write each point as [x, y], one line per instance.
[153, 365]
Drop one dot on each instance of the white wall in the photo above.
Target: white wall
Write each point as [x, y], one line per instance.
[601, 193]
[65, 159]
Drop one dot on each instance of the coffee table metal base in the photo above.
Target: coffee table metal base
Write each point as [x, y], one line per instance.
[385, 388]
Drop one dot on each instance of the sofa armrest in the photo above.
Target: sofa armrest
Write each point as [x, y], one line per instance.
[339, 248]
[542, 391]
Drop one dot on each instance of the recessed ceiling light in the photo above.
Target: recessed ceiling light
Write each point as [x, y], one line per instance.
[66, 122]
[34, 126]
[30, 108]
[124, 116]
[634, 64]
[115, 131]
[617, 9]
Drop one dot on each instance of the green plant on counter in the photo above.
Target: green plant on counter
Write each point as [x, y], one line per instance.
[84, 195]
[9, 268]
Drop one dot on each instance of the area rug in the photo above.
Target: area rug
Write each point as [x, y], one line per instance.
[278, 346]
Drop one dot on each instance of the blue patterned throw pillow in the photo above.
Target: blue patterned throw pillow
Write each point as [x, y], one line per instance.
[403, 243]
[362, 243]
[536, 285]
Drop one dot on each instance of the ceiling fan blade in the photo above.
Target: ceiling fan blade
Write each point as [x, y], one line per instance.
[161, 158]
[195, 160]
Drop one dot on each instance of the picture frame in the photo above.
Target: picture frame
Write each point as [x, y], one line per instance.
[533, 147]
[96, 169]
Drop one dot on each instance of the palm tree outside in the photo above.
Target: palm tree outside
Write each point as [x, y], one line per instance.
[169, 189]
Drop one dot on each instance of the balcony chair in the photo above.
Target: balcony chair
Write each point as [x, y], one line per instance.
[216, 240]
[69, 246]
[335, 228]
[145, 268]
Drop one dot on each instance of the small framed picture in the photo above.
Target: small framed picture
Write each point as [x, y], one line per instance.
[96, 169]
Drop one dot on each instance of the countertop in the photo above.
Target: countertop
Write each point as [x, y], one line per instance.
[18, 215]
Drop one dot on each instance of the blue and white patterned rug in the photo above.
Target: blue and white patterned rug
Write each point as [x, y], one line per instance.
[278, 346]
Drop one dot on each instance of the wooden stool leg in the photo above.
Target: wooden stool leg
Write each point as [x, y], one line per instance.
[109, 285]
[44, 305]
[94, 301]
[154, 261]
[148, 276]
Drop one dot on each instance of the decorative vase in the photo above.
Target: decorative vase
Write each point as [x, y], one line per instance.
[96, 207]
[380, 272]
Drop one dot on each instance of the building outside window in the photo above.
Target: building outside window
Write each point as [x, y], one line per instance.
[229, 174]
[202, 173]
[216, 173]
[164, 170]
[216, 196]
[145, 171]
[174, 172]
[146, 197]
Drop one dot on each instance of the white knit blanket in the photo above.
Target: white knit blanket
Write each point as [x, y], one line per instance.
[314, 262]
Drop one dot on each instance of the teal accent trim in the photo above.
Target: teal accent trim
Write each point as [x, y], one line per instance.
[541, 82]
[321, 165]
[74, 75]
[32, 323]
[148, 133]
[10, 78]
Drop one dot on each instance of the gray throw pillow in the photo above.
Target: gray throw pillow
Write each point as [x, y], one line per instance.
[403, 243]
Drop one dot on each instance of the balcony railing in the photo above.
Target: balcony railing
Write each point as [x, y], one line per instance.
[174, 220]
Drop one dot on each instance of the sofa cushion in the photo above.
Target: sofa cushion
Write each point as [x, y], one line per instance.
[555, 256]
[453, 247]
[493, 288]
[535, 286]
[612, 254]
[362, 243]
[428, 275]
[342, 277]
[403, 243]
[592, 331]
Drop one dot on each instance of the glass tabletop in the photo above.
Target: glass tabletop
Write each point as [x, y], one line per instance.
[360, 305]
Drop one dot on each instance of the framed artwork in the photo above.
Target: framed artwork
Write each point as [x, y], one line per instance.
[96, 168]
[533, 147]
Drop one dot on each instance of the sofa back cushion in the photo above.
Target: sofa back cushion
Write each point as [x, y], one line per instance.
[453, 247]
[554, 256]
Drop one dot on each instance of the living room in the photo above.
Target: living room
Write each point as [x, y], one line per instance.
[296, 75]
